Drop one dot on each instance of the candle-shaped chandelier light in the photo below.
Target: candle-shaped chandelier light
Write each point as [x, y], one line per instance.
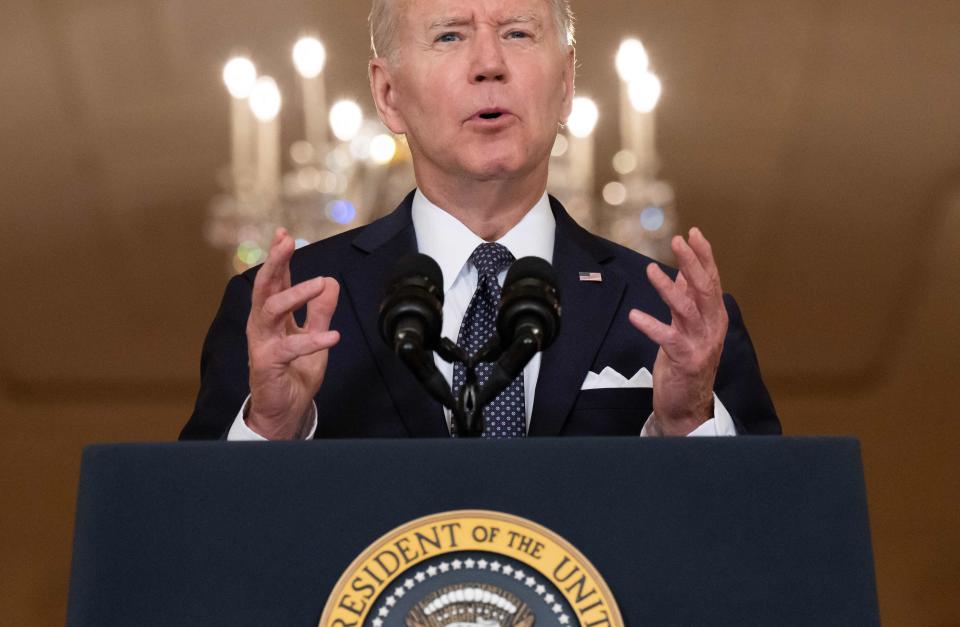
[645, 215]
[347, 169]
[344, 170]
[582, 122]
[639, 93]
[636, 209]
[240, 75]
[265, 102]
[309, 57]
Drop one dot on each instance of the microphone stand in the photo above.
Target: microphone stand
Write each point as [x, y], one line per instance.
[509, 363]
[420, 363]
[468, 406]
[467, 410]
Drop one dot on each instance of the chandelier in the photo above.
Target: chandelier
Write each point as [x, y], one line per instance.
[348, 169]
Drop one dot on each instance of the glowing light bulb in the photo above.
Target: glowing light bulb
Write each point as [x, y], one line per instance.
[341, 211]
[614, 193]
[250, 253]
[301, 152]
[346, 118]
[265, 99]
[645, 92]
[239, 75]
[309, 57]
[624, 162]
[632, 60]
[382, 149]
[652, 218]
[583, 117]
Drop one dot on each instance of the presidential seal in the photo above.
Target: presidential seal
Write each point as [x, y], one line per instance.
[471, 568]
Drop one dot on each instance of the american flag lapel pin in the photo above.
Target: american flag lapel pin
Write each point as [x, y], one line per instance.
[591, 276]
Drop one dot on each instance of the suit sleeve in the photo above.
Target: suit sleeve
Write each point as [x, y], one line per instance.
[739, 384]
[223, 366]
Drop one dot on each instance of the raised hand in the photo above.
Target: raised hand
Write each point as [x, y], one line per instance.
[690, 346]
[287, 362]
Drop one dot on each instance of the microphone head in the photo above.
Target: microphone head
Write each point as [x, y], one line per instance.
[422, 267]
[529, 297]
[531, 268]
[414, 296]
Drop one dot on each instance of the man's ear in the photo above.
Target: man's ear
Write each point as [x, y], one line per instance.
[569, 74]
[384, 92]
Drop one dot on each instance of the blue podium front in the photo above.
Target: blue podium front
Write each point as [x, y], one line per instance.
[695, 531]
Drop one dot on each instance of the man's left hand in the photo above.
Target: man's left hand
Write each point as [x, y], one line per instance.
[690, 346]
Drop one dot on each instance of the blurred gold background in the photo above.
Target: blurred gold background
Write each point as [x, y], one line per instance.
[816, 142]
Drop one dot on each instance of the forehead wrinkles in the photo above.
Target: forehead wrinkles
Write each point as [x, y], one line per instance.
[463, 20]
[431, 14]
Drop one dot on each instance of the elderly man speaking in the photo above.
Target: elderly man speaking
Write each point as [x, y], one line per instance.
[479, 89]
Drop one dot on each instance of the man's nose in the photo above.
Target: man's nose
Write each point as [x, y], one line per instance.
[488, 61]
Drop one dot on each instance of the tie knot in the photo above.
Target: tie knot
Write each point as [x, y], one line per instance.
[490, 258]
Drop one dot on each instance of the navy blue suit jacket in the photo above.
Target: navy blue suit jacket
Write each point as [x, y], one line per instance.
[367, 391]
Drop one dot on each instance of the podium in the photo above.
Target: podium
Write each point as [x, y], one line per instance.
[684, 531]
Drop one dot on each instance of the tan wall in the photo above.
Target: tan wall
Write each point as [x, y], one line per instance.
[816, 142]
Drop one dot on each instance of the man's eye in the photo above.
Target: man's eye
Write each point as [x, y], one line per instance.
[518, 34]
[448, 37]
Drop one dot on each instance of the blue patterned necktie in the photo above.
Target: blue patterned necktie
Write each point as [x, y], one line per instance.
[504, 416]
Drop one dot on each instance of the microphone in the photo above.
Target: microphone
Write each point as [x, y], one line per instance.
[529, 303]
[528, 321]
[411, 317]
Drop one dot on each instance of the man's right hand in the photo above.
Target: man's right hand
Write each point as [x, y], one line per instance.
[287, 361]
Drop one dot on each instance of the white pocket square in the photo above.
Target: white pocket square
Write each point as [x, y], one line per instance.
[610, 378]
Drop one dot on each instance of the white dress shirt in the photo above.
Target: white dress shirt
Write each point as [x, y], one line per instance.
[450, 243]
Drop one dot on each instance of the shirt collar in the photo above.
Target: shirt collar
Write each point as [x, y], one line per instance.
[450, 242]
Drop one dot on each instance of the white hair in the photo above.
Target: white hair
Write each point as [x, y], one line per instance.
[383, 27]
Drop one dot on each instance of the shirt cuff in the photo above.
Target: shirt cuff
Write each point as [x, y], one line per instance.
[721, 424]
[240, 432]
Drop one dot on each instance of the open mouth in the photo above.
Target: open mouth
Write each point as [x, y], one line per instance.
[491, 113]
[491, 119]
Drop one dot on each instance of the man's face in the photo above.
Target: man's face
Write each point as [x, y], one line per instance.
[479, 86]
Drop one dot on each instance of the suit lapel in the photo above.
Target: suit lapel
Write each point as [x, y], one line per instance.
[588, 309]
[387, 241]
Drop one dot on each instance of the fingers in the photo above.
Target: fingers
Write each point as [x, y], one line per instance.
[321, 307]
[696, 262]
[276, 310]
[690, 265]
[704, 252]
[695, 300]
[696, 296]
[665, 335]
[301, 344]
[711, 296]
[274, 300]
[675, 295]
[274, 275]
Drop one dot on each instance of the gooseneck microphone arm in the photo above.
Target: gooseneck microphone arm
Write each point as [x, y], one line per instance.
[511, 364]
[409, 349]
[467, 410]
